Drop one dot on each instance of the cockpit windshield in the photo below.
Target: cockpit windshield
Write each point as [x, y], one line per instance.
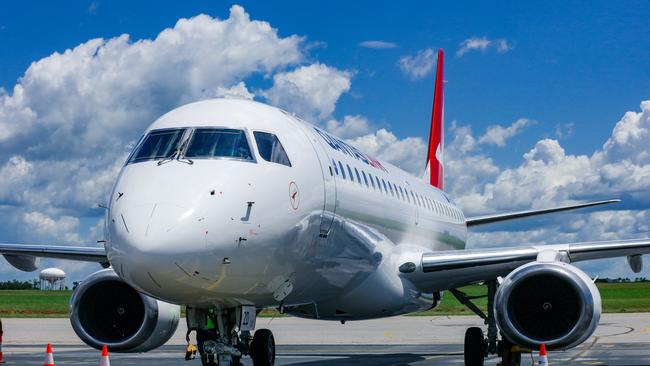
[213, 142]
[160, 144]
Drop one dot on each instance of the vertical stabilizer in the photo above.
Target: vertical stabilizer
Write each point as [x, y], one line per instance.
[434, 167]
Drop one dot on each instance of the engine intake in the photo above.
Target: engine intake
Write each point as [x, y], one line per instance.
[553, 303]
[106, 310]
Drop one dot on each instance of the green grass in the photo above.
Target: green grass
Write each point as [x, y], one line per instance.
[617, 298]
[34, 303]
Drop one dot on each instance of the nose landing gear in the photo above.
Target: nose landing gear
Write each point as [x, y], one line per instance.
[224, 336]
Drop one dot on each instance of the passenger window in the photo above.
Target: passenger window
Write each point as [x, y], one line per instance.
[342, 170]
[365, 179]
[358, 176]
[159, 144]
[270, 148]
[335, 168]
[378, 183]
[384, 183]
[372, 181]
[350, 171]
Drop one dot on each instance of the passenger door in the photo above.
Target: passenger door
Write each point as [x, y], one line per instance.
[329, 207]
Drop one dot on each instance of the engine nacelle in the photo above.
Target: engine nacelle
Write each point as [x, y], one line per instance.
[106, 310]
[553, 303]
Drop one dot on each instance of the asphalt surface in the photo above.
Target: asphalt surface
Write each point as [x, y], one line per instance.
[620, 340]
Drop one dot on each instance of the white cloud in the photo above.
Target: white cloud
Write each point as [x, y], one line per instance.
[238, 91]
[63, 229]
[408, 154]
[498, 135]
[419, 65]
[483, 44]
[97, 93]
[349, 127]
[67, 125]
[310, 91]
[379, 45]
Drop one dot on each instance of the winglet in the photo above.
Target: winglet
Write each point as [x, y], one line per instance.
[436, 137]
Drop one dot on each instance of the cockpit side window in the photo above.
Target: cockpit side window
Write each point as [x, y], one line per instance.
[270, 148]
[160, 144]
[218, 142]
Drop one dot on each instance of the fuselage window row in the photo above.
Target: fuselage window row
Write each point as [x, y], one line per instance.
[398, 192]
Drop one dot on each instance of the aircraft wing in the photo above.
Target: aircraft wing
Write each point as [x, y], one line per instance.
[455, 268]
[24, 256]
[488, 219]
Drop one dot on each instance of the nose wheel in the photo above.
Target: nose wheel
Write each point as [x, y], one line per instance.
[263, 348]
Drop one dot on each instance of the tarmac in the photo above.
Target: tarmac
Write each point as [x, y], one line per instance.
[621, 339]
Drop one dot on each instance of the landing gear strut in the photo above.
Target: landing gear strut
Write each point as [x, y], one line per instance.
[477, 346]
[231, 339]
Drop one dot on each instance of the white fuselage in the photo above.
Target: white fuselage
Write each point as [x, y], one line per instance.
[323, 237]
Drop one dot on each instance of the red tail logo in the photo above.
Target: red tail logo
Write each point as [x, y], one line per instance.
[436, 138]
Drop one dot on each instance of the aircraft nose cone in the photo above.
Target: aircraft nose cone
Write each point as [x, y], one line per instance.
[155, 229]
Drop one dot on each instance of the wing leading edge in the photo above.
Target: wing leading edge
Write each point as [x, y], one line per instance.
[489, 219]
[23, 256]
[450, 269]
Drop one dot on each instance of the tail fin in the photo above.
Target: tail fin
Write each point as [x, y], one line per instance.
[435, 159]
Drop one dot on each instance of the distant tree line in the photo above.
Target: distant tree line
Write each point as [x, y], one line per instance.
[621, 280]
[34, 284]
[18, 285]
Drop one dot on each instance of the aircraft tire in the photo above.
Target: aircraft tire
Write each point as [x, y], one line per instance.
[263, 348]
[474, 347]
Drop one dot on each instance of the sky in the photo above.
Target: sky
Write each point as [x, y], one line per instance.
[545, 104]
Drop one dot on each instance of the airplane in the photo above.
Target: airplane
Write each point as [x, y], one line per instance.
[228, 206]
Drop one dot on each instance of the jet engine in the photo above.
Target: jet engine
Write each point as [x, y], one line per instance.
[547, 302]
[106, 310]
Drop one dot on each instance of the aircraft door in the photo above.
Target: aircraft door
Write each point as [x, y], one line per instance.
[329, 207]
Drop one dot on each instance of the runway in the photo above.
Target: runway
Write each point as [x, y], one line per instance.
[621, 339]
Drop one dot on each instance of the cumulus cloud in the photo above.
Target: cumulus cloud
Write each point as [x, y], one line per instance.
[68, 124]
[349, 127]
[408, 153]
[498, 135]
[483, 44]
[419, 65]
[378, 45]
[238, 91]
[311, 91]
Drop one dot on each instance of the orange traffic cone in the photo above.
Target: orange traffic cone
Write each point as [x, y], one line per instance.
[543, 360]
[104, 360]
[49, 358]
[2, 358]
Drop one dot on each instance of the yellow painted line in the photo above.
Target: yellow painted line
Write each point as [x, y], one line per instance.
[645, 330]
[389, 335]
